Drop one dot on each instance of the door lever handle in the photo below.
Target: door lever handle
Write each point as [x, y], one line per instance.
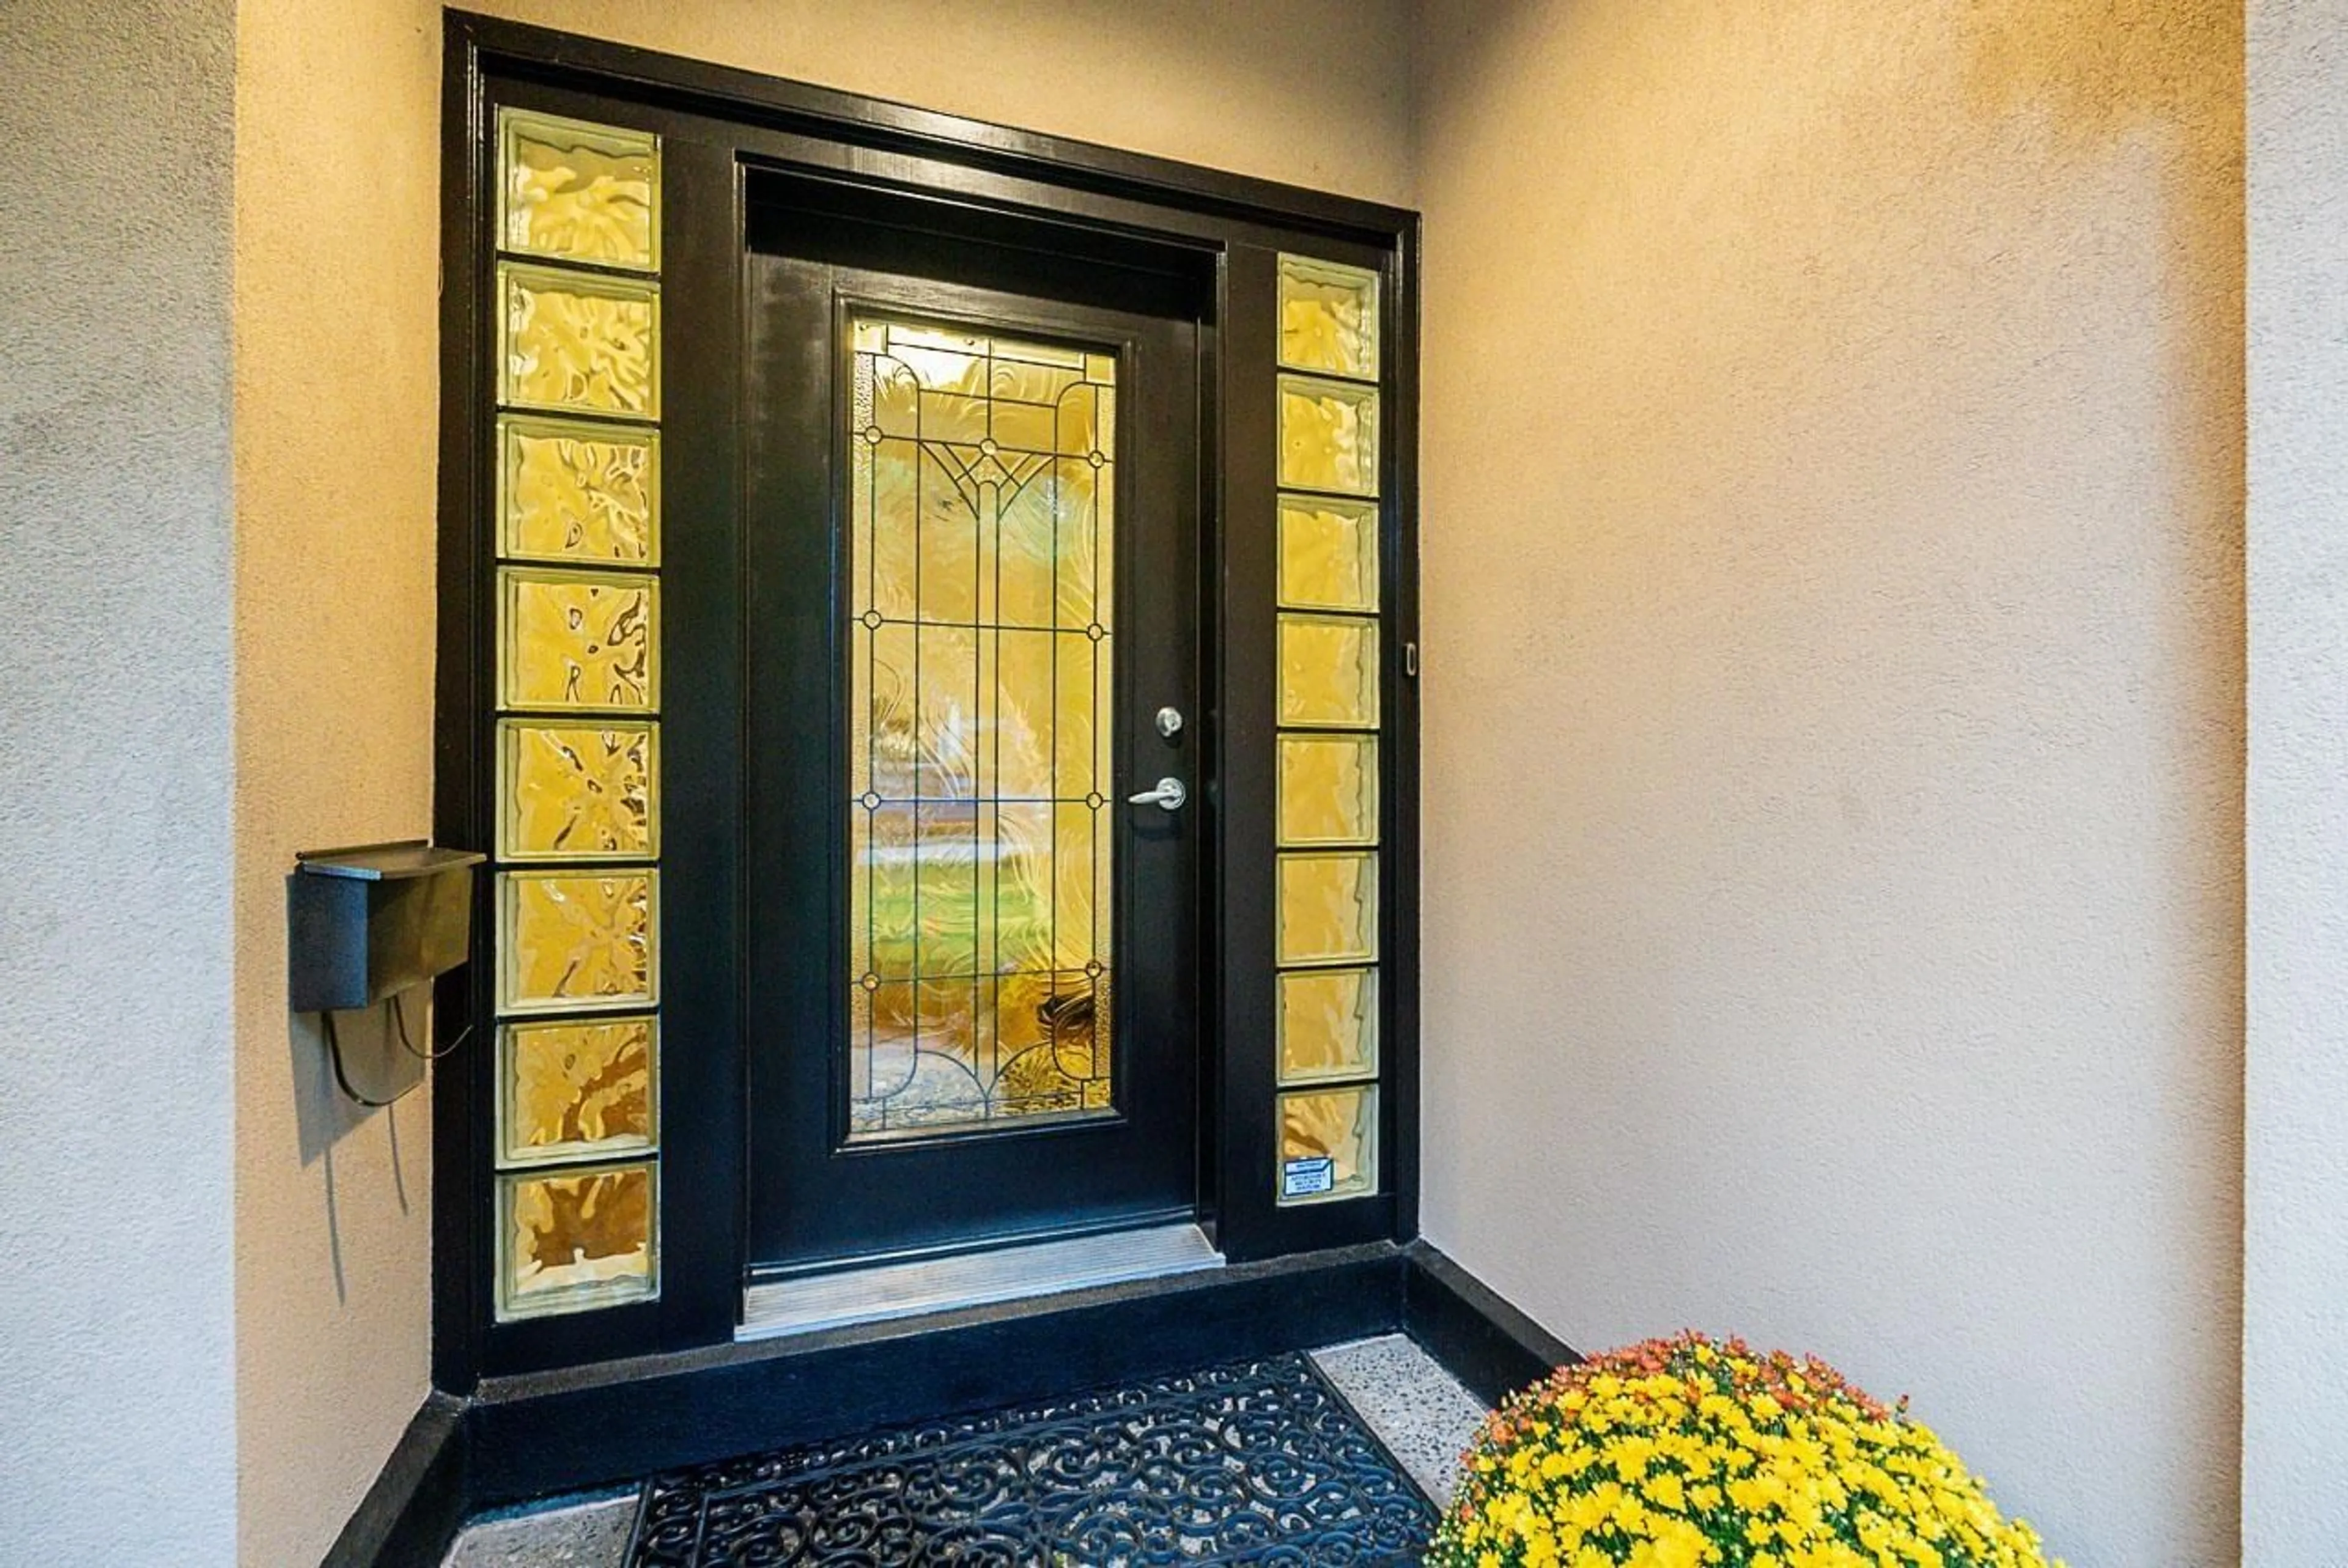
[1169, 796]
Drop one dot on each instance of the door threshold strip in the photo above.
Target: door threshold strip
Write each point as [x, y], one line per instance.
[972, 1279]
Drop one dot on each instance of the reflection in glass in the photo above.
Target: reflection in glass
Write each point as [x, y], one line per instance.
[578, 341]
[1328, 435]
[577, 791]
[568, 490]
[1328, 318]
[569, 1240]
[1329, 671]
[981, 551]
[576, 941]
[578, 191]
[1328, 909]
[1328, 1145]
[1328, 1024]
[576, 1087]
[578, 640]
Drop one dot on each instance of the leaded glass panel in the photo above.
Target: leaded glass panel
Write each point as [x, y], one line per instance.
[980, 564]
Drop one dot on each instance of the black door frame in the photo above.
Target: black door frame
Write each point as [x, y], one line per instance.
[719, 122]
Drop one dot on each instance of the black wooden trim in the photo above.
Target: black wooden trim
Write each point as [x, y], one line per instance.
[1481, 1338]
[418, 1502]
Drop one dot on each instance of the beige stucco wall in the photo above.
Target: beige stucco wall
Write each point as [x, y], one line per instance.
[336, 444]
[1833, 689]
[116, 1403]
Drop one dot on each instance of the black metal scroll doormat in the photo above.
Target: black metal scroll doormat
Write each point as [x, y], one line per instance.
[1260, 1462]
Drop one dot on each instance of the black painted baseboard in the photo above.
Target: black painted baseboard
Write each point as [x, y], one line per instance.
[553, 1433]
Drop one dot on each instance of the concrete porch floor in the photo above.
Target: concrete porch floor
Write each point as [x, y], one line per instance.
[1418, 1410]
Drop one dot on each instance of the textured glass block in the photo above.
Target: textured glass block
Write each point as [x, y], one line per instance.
[981, 606]
[1328, 1145]
[578, 640]
[578, 192]
[1329, 672]
[576, 940]
[578, 341]
[1328, 318]
[574, 1088]
[569, 1241]
[1328, 436]
[1328, 909]
[1328, 554]
[1328, 1024]
[578, 791]
[577, 492]
[1328, 790]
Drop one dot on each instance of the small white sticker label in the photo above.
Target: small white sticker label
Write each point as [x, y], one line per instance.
[1302, 1178]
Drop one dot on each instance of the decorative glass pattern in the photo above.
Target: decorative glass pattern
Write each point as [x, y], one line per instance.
[578, 640]
[1328, 436]
[577, 511]
[1328, 318]
[1328, 1145]
[1328, 1024]
[577, 1088]
[568, 1240]
[577, 941]
[1328, 554]
[1329, 672]
[578, 791]
[1328, 790]
[1328, 909]
[578, 192]
[578, 341]
[981, 562]
[570, 491]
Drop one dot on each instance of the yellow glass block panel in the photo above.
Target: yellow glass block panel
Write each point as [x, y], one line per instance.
[571, 1241]
[578, 341]
[1328, 554]
[1328, 1024]
[578, 191]
[980, 695]
[1329, 672]
[1328, 790]
[1328, 318]
[576, 492]
[578, 791]
[574, 1088]
[1328, 909]
[1328, 1145]
[573, 942]
[578, 640]
[1328, 436]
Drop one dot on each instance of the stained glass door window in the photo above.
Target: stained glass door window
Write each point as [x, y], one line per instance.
[982, 485]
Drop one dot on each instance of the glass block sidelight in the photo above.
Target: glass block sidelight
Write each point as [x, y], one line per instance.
[1329, 672]
[575, 941]
[1328, 435]
[1328, 1143]
[1328, 554]
[577, 1088]
[1328, 318]
[578, 791]
[583, 342]
[1328, 1025]
[574, 492]
[578, 192]
[572, 1239]
[1328, 788]
[578, 640]
[1326, 908]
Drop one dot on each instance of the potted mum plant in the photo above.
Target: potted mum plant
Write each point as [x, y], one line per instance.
[1689, 1452]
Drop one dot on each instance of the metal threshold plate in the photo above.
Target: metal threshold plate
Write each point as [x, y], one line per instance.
[972, 1279]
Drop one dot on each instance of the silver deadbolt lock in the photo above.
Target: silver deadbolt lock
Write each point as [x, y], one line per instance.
[1169, 722]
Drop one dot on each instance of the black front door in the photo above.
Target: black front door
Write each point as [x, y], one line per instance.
[971, 596]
